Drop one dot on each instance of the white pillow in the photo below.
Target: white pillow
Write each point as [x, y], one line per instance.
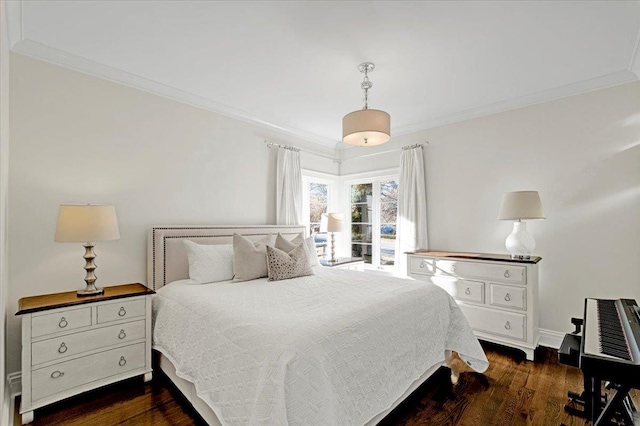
[209, 263]
[312, 254]
[309, 245]
[249, 258]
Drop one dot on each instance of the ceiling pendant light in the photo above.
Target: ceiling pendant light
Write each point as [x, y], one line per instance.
[366, 127]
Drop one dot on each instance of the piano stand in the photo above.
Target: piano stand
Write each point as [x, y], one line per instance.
[620, 403]
[591, 397]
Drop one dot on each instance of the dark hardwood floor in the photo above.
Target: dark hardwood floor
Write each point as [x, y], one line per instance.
[513, 391]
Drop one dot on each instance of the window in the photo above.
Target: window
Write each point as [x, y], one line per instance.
[362, 221]
[374, 213]
[318, 200]
[388, 221]
[318, 196]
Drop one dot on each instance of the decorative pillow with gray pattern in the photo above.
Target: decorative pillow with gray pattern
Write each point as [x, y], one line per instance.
[283, 265]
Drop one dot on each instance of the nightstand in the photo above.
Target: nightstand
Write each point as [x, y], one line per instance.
[353, 263]
[73, 344]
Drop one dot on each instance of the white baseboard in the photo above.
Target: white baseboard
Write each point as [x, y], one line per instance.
[551, 339]
[13, 389]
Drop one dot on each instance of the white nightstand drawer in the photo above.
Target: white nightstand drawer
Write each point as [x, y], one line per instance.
[465, 290]
[509, 324]
[83, 341]
[488, 271]
[67, 375]
[421, 265]
[124, 309]
[508, 296]
[61, 320]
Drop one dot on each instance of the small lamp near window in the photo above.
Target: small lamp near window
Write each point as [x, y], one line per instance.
[86, 224]
[332, 222]
[518, 206]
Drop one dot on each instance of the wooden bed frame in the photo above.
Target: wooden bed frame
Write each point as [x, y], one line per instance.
[167, 262]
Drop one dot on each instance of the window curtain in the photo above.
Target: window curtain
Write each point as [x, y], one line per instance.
[289, 188]
[412, 207]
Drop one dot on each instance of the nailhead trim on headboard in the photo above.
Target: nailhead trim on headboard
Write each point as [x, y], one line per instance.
[233, 229]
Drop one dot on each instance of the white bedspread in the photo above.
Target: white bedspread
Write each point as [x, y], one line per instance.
[335, 348]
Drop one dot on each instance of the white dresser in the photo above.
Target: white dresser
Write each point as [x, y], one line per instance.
[71, 344]
[498, 295]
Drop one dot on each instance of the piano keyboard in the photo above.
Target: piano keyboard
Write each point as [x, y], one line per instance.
[604, 333]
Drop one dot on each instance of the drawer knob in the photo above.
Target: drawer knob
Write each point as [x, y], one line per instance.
[63, 348]
[423, 264]
[57, 374]
[122, 312]
[507, 274]
[507, 326]
[453, 268]
[63, 322]
[122, 361]
[122, 334]
[467, 291]
[507, 298]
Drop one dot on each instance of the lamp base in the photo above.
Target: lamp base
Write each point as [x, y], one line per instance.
[520, 243]
[333, 249]
[90, 291]
[90, 278]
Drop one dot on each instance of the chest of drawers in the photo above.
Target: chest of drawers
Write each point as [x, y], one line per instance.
[71, 345]
[497, 294]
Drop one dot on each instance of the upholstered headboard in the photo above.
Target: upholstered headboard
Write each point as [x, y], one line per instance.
[167, 257]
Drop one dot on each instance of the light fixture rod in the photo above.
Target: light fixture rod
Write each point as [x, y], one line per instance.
[366, 68]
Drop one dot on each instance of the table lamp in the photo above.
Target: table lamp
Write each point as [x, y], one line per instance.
[519, 206]
[86, 224]
[332, 222]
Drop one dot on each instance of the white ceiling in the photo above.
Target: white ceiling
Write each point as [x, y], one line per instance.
[293, 65]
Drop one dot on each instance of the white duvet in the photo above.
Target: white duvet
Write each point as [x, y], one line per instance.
[335, 348]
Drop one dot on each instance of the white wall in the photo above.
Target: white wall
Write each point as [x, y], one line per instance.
[77, 138]
[81, 139]
[4, 185]
[582, 153]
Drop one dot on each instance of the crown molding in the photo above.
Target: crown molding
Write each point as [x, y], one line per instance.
[42, 52]
[602, 82]
[64, 59]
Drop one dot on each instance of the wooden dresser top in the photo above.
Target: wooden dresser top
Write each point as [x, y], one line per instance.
[474, 256]
[45, 302]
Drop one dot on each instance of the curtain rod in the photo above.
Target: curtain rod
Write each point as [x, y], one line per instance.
[292, 148]
[404, 148]
[336, 160]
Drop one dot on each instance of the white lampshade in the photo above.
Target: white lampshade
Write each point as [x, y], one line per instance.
[366, 127]
[521, 205]
[332, 222]
[86, 223]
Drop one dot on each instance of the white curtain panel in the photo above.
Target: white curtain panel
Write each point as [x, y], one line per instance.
[289, 188]
[411, 233]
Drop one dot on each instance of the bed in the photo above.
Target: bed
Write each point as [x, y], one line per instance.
[337, 347]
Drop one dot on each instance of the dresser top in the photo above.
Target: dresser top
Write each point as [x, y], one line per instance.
[475, 256]
[45, 302]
